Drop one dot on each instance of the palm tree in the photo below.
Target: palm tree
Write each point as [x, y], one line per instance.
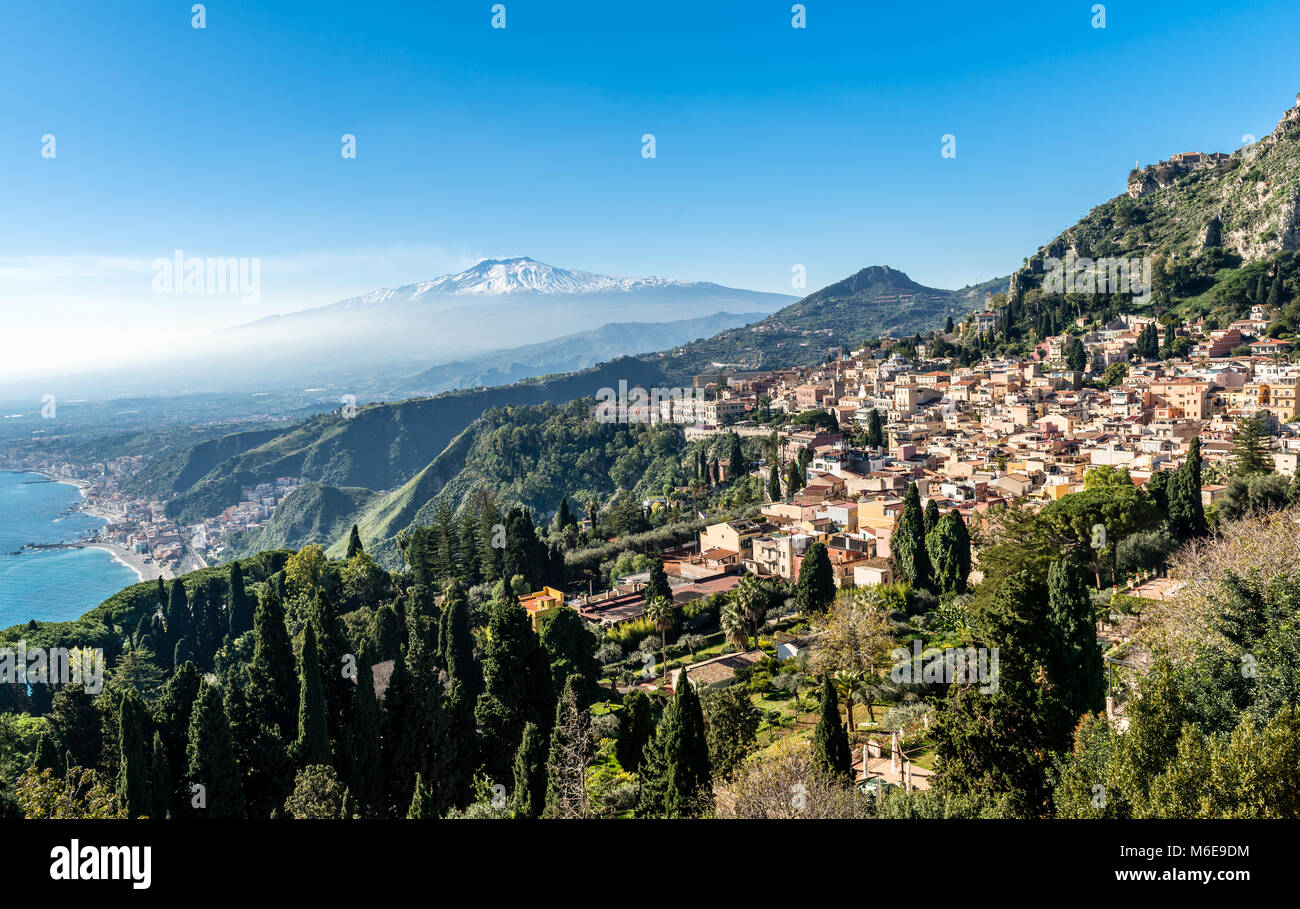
[846, 685]
[659, 612]
[751, 597]
[735, 624]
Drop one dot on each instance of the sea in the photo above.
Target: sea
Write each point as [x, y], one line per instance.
[50, 585]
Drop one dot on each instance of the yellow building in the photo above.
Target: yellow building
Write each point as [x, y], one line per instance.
[540, 603]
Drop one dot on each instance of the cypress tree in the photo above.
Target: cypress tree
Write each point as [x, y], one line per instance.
[173, 710]
[676, 773]
[830, 738]
[471, 558]
[658, 586]
[793, 483]
[179, 624]
[239, 609]
[774, 482]
[635, 730]
[1186, 511]
[46, 756]
[421, 808]
[530, 774]
[313, 744]
[907, 544]
[875, 430]
[386, 633]
[210, 758]
[161, 790]
[272, 681]
[516, 686]
[931, 516]
[1077, 658]
[456, 642]
[330, 648]
[815, 587]
[949, 551]
[133, 770]
[570, 751]
[738, 468]
[366, 764]
[354, 542]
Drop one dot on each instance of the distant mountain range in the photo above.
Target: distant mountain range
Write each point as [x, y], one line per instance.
[497, 304]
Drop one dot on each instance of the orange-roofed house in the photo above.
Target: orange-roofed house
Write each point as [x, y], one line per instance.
[540, 603]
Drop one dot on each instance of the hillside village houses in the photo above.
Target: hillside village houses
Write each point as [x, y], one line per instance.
[971, 437]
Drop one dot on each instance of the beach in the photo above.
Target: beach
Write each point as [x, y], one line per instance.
[147, 570]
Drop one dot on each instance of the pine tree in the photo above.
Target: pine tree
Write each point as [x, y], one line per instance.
[161, 780]
[815, 588]
[210, 758]
[1248, 457]
[529, 798]
[354, 542]
[313, 743]
[830, 739]
[239, 609]
[907, 544]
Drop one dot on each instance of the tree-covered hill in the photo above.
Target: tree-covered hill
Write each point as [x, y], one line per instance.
[381, 446]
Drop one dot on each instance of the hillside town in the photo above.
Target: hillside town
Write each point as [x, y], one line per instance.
[138, 529]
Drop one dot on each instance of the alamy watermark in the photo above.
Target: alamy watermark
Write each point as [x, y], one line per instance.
[22, 665]
[946, 666]
[183, 274]
[1081, 275]
[656, 405]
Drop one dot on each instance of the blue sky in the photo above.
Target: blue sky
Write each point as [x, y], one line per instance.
[775, 145]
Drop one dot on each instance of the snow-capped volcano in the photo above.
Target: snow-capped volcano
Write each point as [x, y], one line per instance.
[496, 304]
[493, 277]
[521, 275]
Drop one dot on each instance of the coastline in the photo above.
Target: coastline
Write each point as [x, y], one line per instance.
[146, 571]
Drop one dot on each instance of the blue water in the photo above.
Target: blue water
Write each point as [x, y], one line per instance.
[55, 584]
